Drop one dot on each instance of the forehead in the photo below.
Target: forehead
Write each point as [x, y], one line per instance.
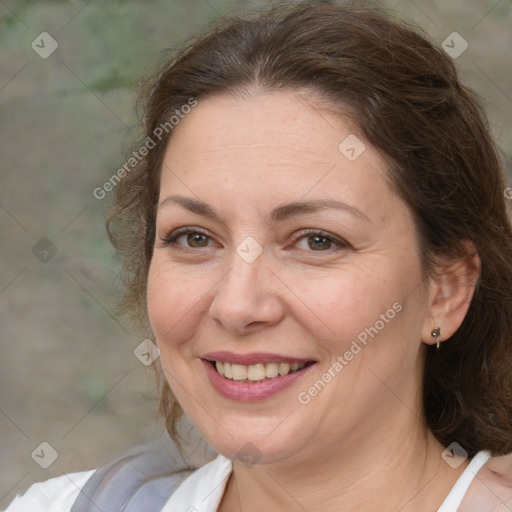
[283, 120]
[270, 145]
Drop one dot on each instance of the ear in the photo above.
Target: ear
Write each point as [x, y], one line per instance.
[451, 290]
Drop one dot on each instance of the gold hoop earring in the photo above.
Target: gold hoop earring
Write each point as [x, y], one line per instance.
[435, 334]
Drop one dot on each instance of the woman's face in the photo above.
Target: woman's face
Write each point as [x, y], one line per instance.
[299, 252]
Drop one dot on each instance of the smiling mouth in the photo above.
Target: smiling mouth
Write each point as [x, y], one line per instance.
[258, 372]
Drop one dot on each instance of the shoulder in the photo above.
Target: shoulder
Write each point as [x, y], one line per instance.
[55, 494]
[491, 489]
[145, 476]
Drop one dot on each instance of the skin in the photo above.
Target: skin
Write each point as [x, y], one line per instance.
[245, 156]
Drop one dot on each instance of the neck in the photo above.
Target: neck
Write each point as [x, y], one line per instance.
[399, 469]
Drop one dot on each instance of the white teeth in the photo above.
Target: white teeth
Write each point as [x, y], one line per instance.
[238, 372]
[284, 369]
[271, 370]
[256, 372]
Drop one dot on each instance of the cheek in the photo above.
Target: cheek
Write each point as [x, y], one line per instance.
[173, 301]
[371, 306]
[349, 300]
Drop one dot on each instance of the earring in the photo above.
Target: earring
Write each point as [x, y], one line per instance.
[435, 334]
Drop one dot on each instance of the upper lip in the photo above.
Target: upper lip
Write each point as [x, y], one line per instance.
[253, 358]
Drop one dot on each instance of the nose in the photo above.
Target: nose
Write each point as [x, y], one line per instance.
[247, 297]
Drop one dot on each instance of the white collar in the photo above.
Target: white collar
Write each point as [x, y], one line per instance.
[202, 491]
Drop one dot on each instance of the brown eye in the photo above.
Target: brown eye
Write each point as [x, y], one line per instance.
[319, 241]
[193, 238]
[197, 240]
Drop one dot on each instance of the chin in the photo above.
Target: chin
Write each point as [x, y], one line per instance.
[251, 442]
[255, 453]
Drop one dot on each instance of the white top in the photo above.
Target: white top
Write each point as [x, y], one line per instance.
[202, 490]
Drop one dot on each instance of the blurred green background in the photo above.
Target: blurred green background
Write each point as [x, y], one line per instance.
[68, 374]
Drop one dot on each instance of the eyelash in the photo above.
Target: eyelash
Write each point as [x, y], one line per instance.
[171, 239]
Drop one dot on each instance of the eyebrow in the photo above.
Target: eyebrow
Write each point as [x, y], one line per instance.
[278, 214]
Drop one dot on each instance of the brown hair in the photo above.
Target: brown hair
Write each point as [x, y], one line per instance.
[407, 100]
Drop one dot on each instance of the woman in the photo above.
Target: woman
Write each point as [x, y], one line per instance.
[318, 241]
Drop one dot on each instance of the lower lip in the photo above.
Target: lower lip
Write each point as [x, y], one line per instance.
[251, 391]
